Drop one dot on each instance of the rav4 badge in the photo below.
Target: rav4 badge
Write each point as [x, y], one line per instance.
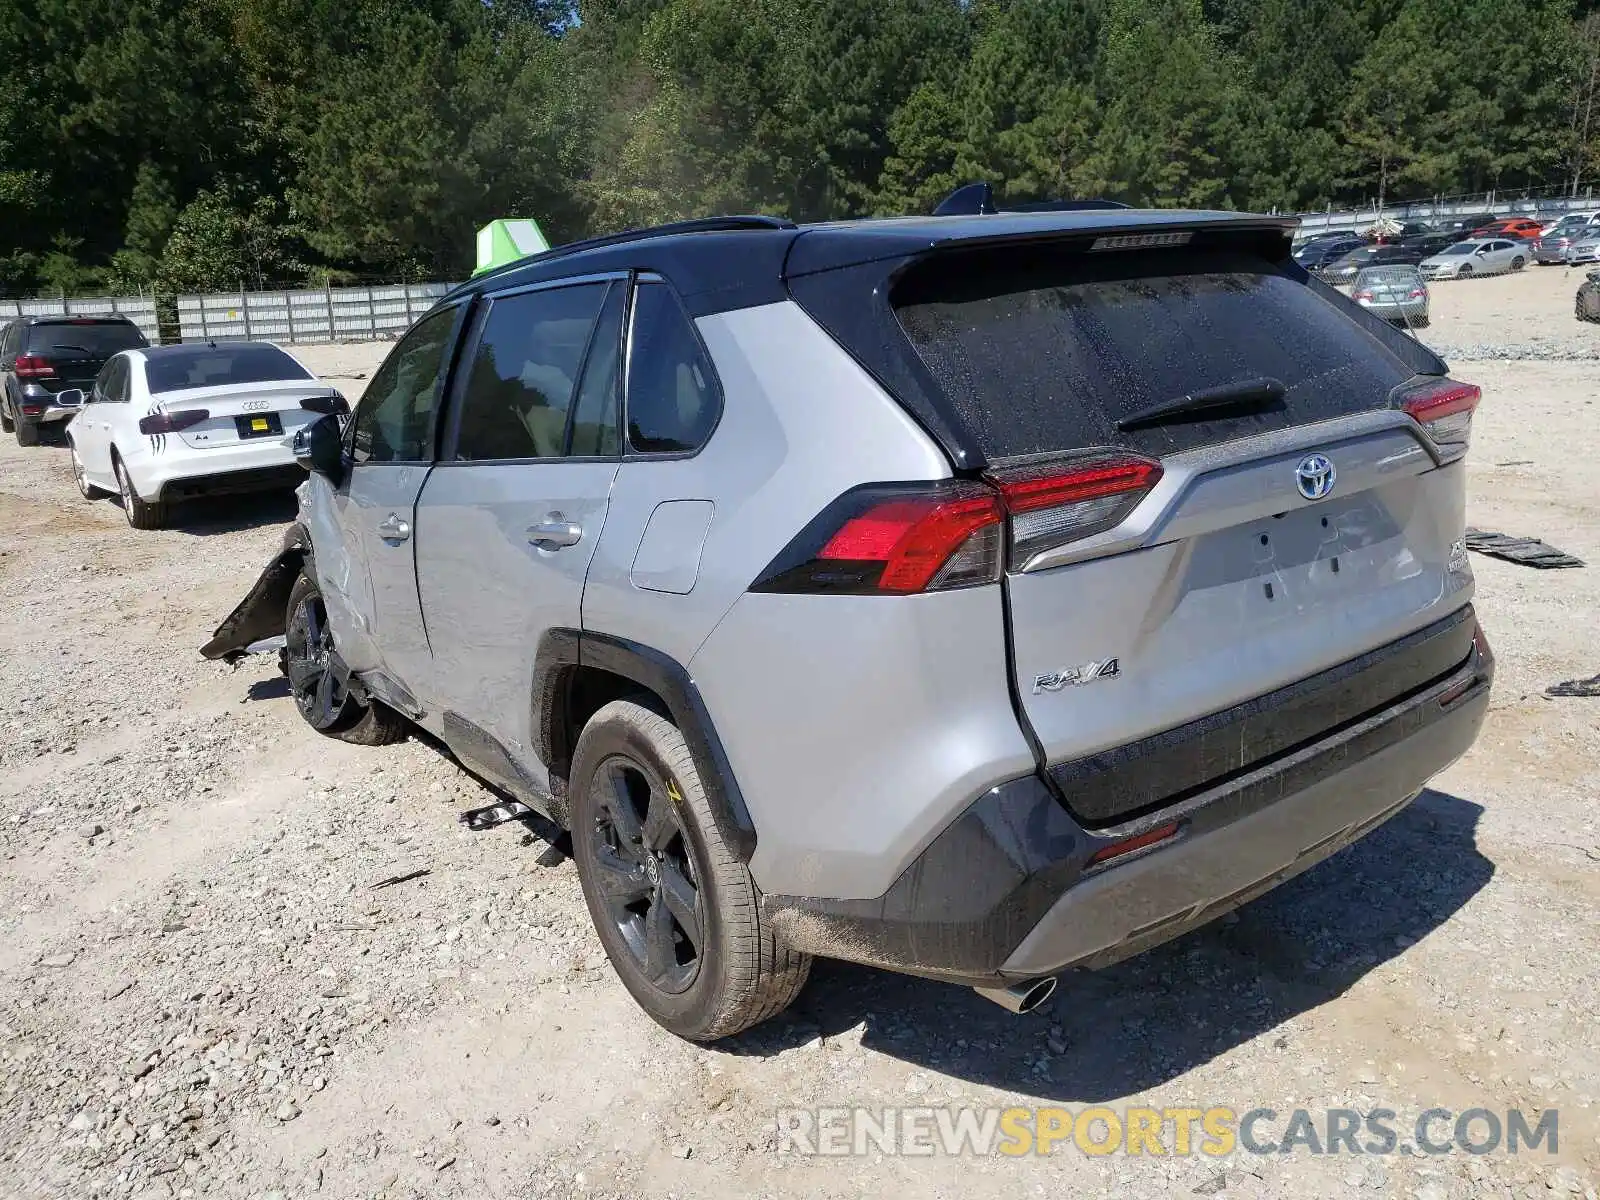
[1090, 672]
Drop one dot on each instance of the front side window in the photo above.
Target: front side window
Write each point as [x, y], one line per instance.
[525, 373]
[394, 421]
[673, 397]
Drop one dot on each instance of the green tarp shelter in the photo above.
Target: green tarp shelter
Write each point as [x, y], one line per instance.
[501, 242]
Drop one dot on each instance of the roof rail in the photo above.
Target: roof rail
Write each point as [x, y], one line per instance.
[977, 199]
[695, 225]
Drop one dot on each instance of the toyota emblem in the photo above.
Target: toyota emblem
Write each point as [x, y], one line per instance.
[1315, 476]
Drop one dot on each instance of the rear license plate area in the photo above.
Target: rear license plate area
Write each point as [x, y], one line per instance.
[258, 425]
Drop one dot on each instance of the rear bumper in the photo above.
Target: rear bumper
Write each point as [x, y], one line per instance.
[38, 406]
[172, 472]
[1417, 311]
[1007, 891]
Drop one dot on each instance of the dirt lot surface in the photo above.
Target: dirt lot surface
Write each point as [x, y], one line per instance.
[203, 992]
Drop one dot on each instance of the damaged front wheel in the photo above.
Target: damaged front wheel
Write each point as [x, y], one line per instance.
[320, 683]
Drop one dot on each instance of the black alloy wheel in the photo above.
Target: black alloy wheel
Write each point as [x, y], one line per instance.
[321, 696]
[645, 874]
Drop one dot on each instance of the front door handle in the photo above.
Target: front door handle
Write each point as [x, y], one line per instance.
[554, 533]
[394, 529]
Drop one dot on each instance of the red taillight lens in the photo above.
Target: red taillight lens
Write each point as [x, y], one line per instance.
[1133, 845]
[895, 540]
[1063, 502]
[1444, 410]
[1361, 295]
[31, 366]
[172, 422]
[1416, 294]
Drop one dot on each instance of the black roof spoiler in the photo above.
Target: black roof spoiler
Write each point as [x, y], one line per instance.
[977, 199]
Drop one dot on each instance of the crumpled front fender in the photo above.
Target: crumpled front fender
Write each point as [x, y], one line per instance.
[264, 610]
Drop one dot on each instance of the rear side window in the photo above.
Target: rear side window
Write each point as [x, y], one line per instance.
[525, 373]
[673, 397]
[92, 339]
[178, 367]
[1044, 353]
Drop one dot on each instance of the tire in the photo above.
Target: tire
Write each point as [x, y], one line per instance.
[1466, 269]
[1420, 323]
[323, 704]
[27, 432]
[141, 515]
[86, 489]
[739, 974]
[1518, 263]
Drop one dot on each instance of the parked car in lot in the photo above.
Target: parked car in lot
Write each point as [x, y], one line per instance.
[1585, 250]
[1322, 253]
[1522, 228]
[1489, 256]
[1397, 293]
[1588, 298]
[1344, 270]
[1462, 225]
[169, 423]
[46, 362]
[695, 539]
[1425, 245]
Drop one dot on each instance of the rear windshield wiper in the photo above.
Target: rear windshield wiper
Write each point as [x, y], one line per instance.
[67, 346]
[1246, 394]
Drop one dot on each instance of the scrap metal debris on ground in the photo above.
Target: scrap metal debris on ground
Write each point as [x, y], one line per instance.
[1575, 687]
[1530, 552]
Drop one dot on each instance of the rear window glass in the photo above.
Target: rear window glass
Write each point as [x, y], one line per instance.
[91, 339]
[1047, 354]
[178, 367]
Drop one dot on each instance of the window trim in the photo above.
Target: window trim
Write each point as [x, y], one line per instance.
[629, 454]
[452, 354]
[468, 353]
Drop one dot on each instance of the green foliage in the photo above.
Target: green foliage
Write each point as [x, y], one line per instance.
[183, 144]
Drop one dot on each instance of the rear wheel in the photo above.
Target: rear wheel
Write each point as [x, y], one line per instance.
[141, 515]
[323, 698]
[1518, 263]
[676, 911]
[27, 432]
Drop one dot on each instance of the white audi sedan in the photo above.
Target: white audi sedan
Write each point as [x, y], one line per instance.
[169, 423]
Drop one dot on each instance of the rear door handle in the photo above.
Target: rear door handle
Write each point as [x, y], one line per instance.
[555, 533]
[394, 529]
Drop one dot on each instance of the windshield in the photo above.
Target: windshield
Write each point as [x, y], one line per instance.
[176, 368]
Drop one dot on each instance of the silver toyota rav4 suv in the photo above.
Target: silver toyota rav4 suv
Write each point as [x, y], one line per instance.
[974, 596]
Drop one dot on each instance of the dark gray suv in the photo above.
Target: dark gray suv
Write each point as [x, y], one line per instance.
[976, 596]
[41, 357]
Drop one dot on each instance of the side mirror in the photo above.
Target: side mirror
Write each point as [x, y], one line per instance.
[70, 398]
[336, 405]
[319, 447]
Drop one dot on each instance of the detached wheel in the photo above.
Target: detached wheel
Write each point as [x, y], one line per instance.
[677, 913]
[323, 700]
[86, 489]
[140, 514]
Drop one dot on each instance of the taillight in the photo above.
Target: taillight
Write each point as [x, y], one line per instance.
[31, 366]
[1361, 295]
[1057, 503]
[895, 541]
[1416, 294]
[903, 539]
[172, 422]
[1444, 410]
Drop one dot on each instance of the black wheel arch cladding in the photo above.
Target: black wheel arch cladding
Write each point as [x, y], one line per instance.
[565, 654]
[264, 610]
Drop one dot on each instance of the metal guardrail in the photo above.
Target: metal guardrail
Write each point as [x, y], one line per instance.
[1428, 210]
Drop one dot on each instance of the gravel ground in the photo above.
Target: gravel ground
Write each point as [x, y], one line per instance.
[206, 990]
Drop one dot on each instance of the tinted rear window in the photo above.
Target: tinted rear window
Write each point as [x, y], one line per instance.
[91, 339]
[178, 367]
[1045, 353]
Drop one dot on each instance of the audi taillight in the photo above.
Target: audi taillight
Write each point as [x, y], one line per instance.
[32, 366]
[905, 539]
[172, 422]
[1444, 410]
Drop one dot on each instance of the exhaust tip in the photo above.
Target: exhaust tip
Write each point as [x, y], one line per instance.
[1021, 997]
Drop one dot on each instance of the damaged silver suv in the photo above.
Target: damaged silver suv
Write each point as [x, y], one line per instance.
[975, 596]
